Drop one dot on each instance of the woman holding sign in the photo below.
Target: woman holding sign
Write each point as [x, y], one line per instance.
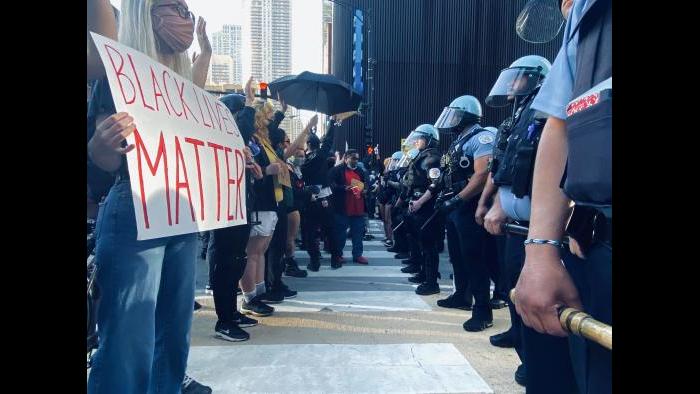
[147, 287]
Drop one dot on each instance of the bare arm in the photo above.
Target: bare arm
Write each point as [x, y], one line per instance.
[200, 63]
[100, 20]
[301, 138]
[485, 200]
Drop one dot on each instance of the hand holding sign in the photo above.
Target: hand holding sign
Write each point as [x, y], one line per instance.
[105, 146]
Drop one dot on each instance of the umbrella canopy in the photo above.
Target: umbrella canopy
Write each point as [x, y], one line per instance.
[316, 92]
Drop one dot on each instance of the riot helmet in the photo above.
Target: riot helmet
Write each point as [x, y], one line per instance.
[462, 111]
[406, 159]
[425, 131]
[522, 78]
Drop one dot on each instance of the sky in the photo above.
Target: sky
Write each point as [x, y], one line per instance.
[307, 30]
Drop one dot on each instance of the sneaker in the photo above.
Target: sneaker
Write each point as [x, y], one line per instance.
[272, 297]
[411, 269]
[401, 256]
[292, 269]
[208, 290]
[244, 321]
[314, 265]
[476, 324]
[454, 303]
[368, 237]
[428, 289]
[389, 243]
[410, 261]
[521, 375]
[197, 306]
[230, 331]
[361, 260]
[287, 292]
[239, 291]
[191, 386]
[256, 308]
[393, 249]
[504, 340]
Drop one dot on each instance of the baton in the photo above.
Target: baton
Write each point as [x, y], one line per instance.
[582, 324]
[429, 219]
[398, 225]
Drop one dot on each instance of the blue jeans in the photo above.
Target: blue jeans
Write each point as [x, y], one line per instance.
[357, 228]
[146, 303]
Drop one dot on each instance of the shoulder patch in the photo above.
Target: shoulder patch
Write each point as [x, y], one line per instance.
[486, 138]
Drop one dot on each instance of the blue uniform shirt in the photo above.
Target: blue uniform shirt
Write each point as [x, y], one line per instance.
[558, 86]
[479, 145]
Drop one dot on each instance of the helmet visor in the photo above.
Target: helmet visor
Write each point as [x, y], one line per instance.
[517, 81]
[539, 21]
[449, 118]
[413, 137]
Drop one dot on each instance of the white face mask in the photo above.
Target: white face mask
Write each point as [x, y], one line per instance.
[352, 167]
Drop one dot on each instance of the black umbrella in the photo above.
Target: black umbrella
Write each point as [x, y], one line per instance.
[316, 92]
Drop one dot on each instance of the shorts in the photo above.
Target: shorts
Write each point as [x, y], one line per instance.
[268, 221]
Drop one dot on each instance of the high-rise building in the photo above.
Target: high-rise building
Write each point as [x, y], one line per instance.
[229, 41]
[271, 48]
[270, 39]
[221, 70]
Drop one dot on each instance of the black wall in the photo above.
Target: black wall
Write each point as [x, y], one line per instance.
[428, 53]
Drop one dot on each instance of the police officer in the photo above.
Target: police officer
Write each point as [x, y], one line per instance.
[577, 97]
[386, 196]
[404, 245]
[421, 204]
[545, 362]
[465, 173]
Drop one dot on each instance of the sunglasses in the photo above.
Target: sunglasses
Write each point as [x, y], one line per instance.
[181, 9]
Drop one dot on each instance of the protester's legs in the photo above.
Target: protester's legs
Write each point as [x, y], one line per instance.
[357, 224]
[293, 219]
[128, 277]
[275, 252]
[312, 223]
[174, 314]
[227, 254]
[341, 227]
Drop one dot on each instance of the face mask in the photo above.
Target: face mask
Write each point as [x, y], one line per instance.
[352, 166]
[174, 31]
[298, 161]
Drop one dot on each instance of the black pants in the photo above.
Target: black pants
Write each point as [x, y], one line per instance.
[227, 256]
[274, 263]
[318, 218]
[459, 272]
[473, 267]
[426, 240]
[546, 357]
[495, 255]
[592, 363]
[401, 240]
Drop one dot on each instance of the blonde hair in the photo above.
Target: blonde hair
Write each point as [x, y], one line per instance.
[263, 109]
[136, 31]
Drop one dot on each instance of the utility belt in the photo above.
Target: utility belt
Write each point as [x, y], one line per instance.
[588, 225]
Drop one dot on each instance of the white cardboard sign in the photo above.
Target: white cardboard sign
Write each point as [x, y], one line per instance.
[187, 171]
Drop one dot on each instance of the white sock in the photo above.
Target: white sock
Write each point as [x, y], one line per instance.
[260, 288]
[249, 296]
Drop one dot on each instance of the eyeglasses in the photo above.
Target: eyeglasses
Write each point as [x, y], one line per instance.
[181, 9]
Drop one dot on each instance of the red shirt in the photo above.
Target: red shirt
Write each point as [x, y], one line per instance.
[354, 202]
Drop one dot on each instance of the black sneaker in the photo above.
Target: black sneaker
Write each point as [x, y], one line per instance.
[410, 261]
[197, 306]
[411, 269]
[230, 331]
[476, 324]
[244, 321]
[454, 303]
[417, 278]
[292, 269]
[504, 340]
[272, 297]
[256, 308]
[428, 289]
[314, 266]
[402, 256]
[287, 292]
[521, 375]
[368, 237]
[336, 263]
[389, 243]
[393, 249]
[191, 386]
[239, 291]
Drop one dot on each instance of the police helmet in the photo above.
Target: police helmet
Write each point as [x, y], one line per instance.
[426, 131]
[397, 155]
[462, 111]
[522, 78]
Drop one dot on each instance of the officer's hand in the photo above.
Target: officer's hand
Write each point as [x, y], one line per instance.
[544, 286]
[481, 212]
[324, 203]
[495, 219]
[450, 205]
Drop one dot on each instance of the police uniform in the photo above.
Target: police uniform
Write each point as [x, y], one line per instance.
[417, 182]
[466, 240]
[579, 91]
